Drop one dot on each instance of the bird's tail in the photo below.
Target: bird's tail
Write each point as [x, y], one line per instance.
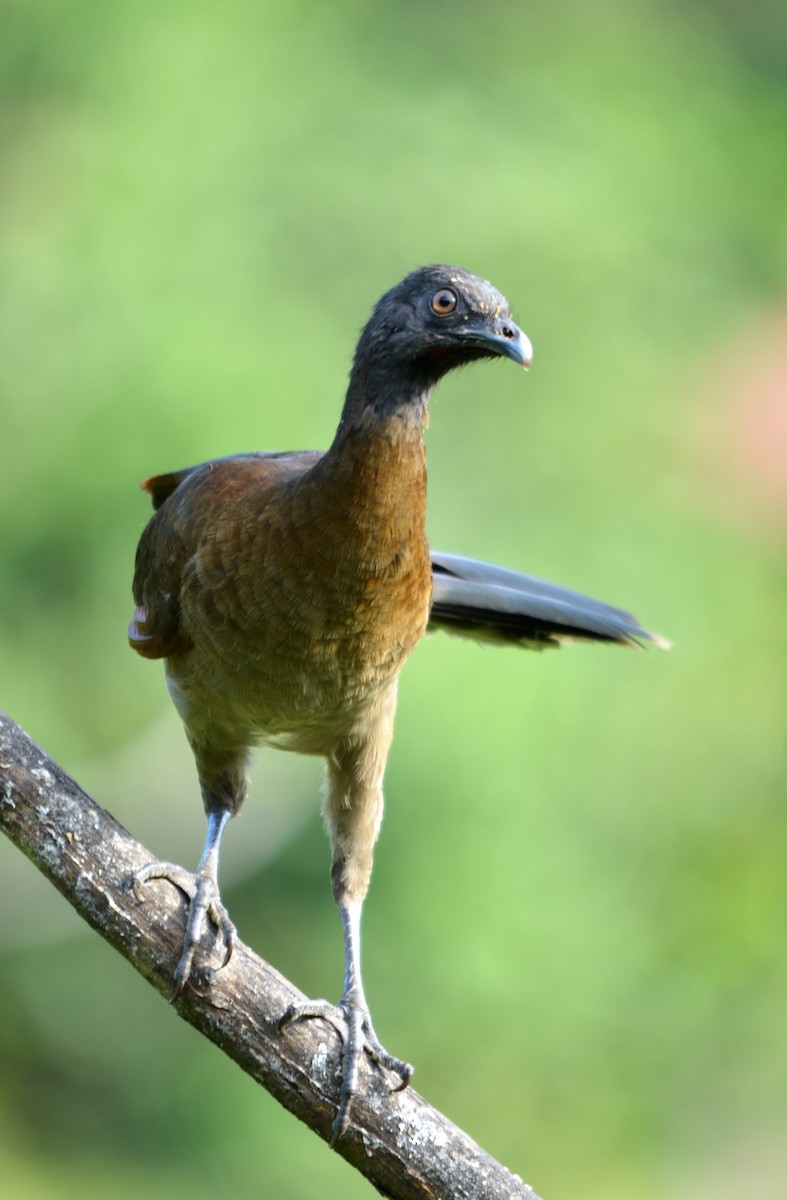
[491, 604]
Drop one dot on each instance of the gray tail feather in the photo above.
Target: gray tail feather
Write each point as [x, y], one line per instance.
[491, 604]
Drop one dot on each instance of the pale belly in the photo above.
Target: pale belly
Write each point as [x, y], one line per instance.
[282, 701]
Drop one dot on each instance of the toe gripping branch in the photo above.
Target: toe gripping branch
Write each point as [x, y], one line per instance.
[352, 1022]
[202, 893]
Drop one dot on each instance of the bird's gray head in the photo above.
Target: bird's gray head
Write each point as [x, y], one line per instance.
[442, 312]
[436, 319]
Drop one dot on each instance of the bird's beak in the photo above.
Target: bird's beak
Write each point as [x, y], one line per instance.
[509, 340]
[503, 338]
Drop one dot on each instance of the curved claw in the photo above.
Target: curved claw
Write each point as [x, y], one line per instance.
[179, 877]
[354, 1025]
[202, 893]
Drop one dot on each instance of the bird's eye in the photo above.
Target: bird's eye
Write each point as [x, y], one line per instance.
[444, 302]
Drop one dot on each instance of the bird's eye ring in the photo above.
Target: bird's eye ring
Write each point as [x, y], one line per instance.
[444, 302]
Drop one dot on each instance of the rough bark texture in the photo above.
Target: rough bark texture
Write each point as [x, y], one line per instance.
[406, 1149]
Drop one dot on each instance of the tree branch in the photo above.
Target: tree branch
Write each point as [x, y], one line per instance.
[406, 1149]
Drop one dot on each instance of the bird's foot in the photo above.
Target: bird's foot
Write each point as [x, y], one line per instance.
[202, 892]
[352, 1022]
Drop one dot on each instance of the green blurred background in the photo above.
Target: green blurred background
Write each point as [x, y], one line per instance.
[576, 926]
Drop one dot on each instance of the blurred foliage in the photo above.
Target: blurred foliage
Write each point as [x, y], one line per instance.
[576, 924]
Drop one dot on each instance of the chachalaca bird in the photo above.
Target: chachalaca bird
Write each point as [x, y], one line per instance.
[285, 592]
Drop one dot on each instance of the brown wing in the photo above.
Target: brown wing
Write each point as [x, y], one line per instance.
[185, 501]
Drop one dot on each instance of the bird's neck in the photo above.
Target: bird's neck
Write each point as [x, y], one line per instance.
[376, 471]
[393, 400]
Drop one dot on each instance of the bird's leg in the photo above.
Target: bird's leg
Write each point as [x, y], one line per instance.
[356, 1029]
[360, 1031]
[202, 892]
[353, 810]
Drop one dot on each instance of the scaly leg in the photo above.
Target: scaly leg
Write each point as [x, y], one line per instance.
[356, 1029]
[202, 891]
[353, 809]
